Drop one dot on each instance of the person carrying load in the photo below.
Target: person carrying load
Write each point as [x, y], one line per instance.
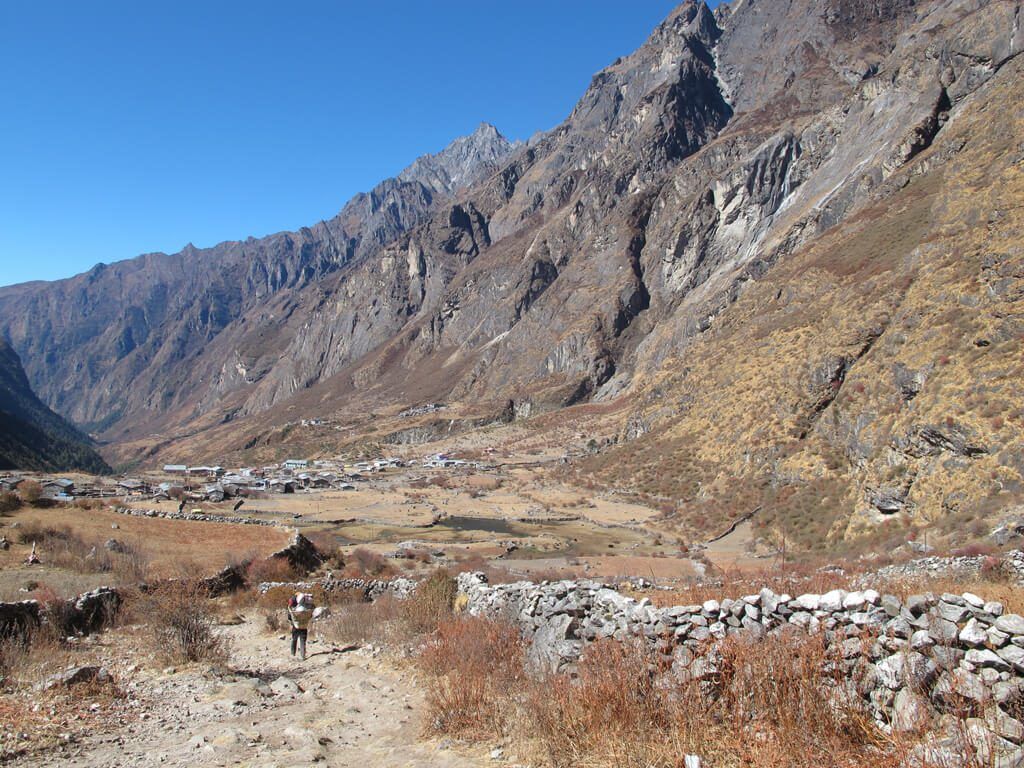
[300, 614]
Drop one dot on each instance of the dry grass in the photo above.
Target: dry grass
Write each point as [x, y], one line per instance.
[771, 703]
[376, 623]
[171, 545]
[1011, 595]
[27, 707]
[389, 621]
[126, 562]
[271, 569]
[734, 583]
[364, 563]
[472, 663]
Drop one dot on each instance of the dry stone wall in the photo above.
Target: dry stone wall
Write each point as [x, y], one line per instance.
[83, 614]
[371, 588]
[908, 662]
[196, 517]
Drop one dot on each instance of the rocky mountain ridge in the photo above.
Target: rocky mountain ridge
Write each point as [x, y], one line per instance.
[122, 342]
[733, 222]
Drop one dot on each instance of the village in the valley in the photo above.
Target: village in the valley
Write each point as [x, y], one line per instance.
[209, 483]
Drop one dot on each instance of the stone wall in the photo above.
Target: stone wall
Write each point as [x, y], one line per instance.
[908, 662]
[86, 613]
[371, 588]
[197, 517]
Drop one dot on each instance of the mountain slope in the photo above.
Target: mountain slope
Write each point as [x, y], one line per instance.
[131, 342]
[870, 381]
[733, 222]
[31, 435]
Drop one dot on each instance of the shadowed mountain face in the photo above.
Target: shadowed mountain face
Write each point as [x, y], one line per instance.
[624, 257]
[32, 436]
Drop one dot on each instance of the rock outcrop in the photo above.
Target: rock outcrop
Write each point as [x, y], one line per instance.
[84, 614]
[301, 554]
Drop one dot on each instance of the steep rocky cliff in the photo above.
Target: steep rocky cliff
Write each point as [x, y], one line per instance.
[31, 435]
[778, 241]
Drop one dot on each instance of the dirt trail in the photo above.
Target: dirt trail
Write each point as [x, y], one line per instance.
[334, 709]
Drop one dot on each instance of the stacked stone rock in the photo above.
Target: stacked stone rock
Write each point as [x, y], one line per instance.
[83, 614]
[371, 588]
[909, 662]
[1011, 564]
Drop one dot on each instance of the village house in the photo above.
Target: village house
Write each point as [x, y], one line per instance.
[214, 492]
[176, 469]
[282, 485]
[10, 483]
[210, 472]
[167, 491]
[133, 487]
[321, 481]
[60, 489]
[295, 463]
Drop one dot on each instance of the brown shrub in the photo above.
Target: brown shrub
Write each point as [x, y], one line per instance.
[975, 549]
[431, 603]
[270, 569]
[475, 665]
[771, 703]
[181, 618]
[364, 562]
[785, 685]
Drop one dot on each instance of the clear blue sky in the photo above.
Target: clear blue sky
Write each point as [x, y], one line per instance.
[130, 127]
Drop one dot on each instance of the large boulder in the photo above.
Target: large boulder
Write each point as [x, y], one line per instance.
[76, 676]
[301, 554]
[230, 578]
[93, 610]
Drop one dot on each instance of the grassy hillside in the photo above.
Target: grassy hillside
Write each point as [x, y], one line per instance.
[870, 384]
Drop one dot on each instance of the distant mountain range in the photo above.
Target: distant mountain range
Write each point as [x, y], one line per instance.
[778, 246]
[31, 435]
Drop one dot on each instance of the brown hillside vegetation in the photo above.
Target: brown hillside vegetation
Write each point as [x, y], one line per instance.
[809, 394]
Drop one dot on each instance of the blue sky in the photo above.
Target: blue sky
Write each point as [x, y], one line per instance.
[131, 127]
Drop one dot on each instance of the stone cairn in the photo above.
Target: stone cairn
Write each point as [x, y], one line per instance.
[908, 662]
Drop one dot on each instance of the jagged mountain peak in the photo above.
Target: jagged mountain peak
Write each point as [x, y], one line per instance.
[465, 161]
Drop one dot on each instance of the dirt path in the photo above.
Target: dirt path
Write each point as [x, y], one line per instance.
[334, 709]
